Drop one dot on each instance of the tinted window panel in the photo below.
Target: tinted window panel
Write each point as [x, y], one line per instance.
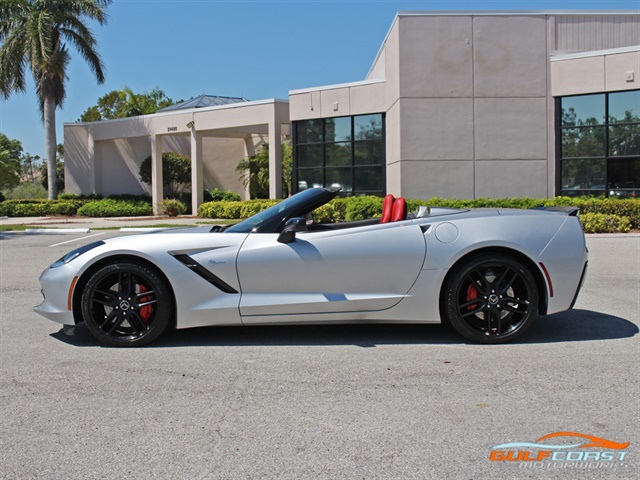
[309, 131]
[310, 178]
[583, 174]
[369, 153]
[624, 107]
[338, 129]
[309, 156]
[583, 142]
[367, 127]
[340, 178]
[624, 140]
[624, 174]
[369, 179]
[583, 110]
[339, 154]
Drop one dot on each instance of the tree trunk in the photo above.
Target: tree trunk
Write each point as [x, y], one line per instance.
[50, 144]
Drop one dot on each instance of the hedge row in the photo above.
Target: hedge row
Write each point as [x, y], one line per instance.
[611, 213]
[596, 214]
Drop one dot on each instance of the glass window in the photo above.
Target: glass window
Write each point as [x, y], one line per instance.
[345, 152]
[338, 129]
[339, 178]
[583, 174]
[600, 159]
[623, 176]
[624, 140]
[583, 142]
[338, 154]
[310, 178]
[309, 156]
[309, 131]
[583, 110]
[369, 179]
[366, 127]
[368, 153]
[624, 107]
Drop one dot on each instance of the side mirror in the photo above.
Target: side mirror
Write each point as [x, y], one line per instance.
[293, 225]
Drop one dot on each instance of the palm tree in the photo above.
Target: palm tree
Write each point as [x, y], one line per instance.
[35, 33]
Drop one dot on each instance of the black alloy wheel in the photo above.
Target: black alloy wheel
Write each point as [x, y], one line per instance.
[126, 304]
[491, 298]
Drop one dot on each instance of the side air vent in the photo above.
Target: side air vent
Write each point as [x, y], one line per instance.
[191, 264]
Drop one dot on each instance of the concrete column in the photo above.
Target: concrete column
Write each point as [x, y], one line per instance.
[91, 160]
[197, 180]
[275, 159]
[156, 172]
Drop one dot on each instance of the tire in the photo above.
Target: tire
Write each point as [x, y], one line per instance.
[491, 298]
[127, 304]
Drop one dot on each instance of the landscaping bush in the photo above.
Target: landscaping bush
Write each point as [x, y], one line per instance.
[360, 208]
[604, 223]
[37, 207]
[250, 208]
[26, 190]
[73, 196]
[217, 195]
[172, 207]
[109, 207]
[211, 210]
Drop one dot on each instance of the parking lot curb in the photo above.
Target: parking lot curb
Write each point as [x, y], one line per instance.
[59, 231]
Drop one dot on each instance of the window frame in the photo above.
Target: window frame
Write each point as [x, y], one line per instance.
[352, 166]
[608, 157]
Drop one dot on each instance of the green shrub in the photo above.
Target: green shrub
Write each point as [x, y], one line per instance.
[250, 208]
[217, 195]
[26, 190]
[604, 223]
[73, 196]
[115, 208]
[37, 207]
[360, 208]
[211, 210]
[131, 197]
[172, 207]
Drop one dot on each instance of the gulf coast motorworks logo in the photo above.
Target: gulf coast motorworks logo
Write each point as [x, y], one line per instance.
[576, 451]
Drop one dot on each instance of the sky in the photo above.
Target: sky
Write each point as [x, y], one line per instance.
[257, 49]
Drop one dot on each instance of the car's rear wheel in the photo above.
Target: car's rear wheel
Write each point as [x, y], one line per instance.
[491, 298]
[126, 304]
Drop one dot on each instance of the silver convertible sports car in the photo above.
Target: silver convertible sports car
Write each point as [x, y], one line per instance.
[487, 272]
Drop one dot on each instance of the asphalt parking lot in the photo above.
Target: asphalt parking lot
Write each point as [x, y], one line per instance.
[331, 402]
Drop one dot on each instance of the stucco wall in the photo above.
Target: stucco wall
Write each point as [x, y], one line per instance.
[473, 106]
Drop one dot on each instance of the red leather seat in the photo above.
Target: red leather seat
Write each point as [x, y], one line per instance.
[399, 210]
[387, 208]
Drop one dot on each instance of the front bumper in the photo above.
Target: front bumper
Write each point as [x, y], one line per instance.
[56, 290]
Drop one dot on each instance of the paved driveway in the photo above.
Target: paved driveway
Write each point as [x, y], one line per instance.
[379, 402]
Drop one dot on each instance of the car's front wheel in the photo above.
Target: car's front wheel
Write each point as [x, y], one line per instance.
[491, 298]
[126, 304]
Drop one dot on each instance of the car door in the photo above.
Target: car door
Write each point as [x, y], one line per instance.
[348, 270]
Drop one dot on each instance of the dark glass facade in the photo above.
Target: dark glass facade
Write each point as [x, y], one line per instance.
[345, 152]
[598, 144]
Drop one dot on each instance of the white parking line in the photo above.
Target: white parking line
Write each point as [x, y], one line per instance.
[77, 239]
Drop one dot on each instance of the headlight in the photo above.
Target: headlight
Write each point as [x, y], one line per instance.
[73, 254]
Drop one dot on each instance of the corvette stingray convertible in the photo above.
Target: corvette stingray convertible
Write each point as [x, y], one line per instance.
[487, 272]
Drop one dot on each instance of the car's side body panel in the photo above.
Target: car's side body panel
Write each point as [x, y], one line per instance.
[352, 270]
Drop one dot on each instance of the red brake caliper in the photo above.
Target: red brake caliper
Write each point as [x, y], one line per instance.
[145, 311]
[472, 294]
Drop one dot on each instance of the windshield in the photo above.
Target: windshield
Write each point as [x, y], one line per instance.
[273, 218]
